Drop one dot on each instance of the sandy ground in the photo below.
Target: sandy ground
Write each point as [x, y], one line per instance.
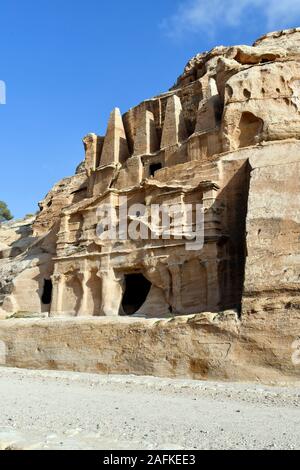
[61, 410]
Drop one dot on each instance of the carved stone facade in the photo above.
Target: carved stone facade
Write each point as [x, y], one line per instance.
[224, 137]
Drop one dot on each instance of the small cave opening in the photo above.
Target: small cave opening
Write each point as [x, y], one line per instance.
[137, 288]
[251, 128]
[47, 292]
[154, 168]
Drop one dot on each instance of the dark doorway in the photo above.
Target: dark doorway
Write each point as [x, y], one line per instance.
[47, 292]
[137, 288]
[155, 167]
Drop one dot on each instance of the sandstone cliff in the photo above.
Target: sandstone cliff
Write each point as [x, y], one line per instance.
[226, 136]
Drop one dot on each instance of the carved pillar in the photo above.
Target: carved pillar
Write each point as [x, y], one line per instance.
[146, 137]
[213, 289]
[174, 130]
[211, 216]
[65, 223]
[93, 146]
[175, 271]
[58, 281]
[63, 234]
[112, 293]
[209, 108]
[115, 147]
[85, 309]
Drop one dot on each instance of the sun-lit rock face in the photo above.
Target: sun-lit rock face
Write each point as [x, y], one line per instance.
[225, 138]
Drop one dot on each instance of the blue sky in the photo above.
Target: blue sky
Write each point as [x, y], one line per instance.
[67, 63]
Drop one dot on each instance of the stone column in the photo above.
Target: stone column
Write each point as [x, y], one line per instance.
[174, 129]
[112, 293]
[58, 281]
[85, 309]
[146, 140]
[115, 147]
[90, 144]
[209, 109]
[175, 271]
[213, 288]
[212, 222]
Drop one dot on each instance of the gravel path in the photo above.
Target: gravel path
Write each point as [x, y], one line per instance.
[62, 410]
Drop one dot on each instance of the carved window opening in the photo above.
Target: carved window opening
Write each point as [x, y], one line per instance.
[154, 168]
[250, 128]
[47, 292]
[137, 288]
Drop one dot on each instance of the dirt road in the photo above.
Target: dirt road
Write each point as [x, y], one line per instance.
[60, 410]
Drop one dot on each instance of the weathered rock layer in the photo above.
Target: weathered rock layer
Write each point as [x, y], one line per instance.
[204, 346]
